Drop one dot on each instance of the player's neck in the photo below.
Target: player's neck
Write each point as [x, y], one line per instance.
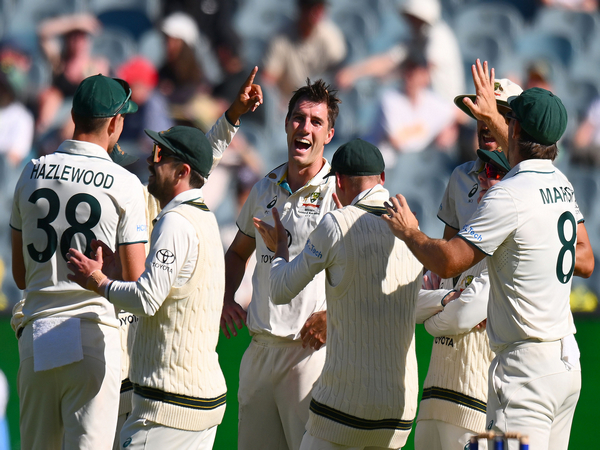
[299, 176]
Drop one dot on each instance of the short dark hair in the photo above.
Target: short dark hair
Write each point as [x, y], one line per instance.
[317, 92]
[196, 180]
[89, 125]
[529, 149]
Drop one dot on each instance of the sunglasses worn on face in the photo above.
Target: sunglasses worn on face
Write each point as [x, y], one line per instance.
[158, 153]
[493, 172]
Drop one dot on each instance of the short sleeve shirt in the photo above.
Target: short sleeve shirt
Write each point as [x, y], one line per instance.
[65, 200]
[460, 198]
[527, 224]
[300, 213]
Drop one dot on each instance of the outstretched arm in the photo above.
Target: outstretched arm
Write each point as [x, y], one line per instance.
[446, 258]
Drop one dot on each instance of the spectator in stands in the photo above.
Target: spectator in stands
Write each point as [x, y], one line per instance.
[181, 78]
[71, 62]
[314, 46]
[15, 62]
[431, 37]
[586, 142]
[153, 110]
[214, 18]
[414, 118]
[181, 75]
[16, 125]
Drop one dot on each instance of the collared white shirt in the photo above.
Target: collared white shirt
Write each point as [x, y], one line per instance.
[527, 224]
[460, 197]
[300, 213]
[66, 199]
[170, 262]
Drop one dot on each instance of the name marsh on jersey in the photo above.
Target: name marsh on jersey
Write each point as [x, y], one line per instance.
[557, 194]
[72, 174]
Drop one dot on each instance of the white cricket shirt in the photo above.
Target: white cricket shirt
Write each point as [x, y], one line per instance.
[460, 197]
[300, 213]
[65, 200]
[527, 224]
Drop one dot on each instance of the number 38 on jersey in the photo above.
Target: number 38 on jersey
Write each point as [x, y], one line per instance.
[77, 203]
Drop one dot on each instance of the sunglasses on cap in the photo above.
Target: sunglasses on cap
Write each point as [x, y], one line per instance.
[493, 172]
[158, 153]
[125, 86]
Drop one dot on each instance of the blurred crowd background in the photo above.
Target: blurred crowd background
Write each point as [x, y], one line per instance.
[397, 65]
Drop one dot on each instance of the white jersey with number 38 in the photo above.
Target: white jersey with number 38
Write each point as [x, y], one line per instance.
[65, 200]
[527, 223]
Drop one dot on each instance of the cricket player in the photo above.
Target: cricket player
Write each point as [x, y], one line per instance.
[527, 227]
[366, 397]
[285, 358]
[179, 389]
[249, 97]
[453, 405]
[69, 346]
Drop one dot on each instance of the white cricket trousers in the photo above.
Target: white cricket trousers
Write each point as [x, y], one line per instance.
[143, 434]
[276, 380]
[309, 442]
[74, 406]
[532, 390]
[437, 435]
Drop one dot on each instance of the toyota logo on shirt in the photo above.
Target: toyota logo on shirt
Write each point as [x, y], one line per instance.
[165, 256]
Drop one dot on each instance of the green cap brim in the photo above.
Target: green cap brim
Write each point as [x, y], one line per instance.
[458, 101]
[495, 156]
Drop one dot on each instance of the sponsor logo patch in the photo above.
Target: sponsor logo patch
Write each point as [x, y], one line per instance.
[165, 256]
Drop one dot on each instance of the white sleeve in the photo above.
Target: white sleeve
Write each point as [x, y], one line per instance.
[173, 238]
[289, 278]
[220, 136]
[430, 303]
[492, 222]
[463, 313]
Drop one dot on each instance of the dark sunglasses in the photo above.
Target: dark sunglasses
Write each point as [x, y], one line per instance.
[158, 153]
[493, 172]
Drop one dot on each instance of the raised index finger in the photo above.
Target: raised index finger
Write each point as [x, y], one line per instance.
[250, 78]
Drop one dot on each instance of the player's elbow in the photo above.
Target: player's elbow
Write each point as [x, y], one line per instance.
[584, 270]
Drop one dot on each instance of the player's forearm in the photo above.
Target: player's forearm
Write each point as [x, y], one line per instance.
[432, 253]
[235, 267]
[220, 136]
[133, 298]
[499, 129]
[18, 263]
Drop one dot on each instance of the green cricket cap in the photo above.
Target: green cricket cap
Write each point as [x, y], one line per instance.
[99, 96]
[187, 143]
[541, 114]
[496, 157]
[120, 157]
[357, 158]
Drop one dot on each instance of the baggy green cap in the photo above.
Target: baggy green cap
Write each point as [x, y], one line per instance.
[357, 158]
[120, 157]
[99, 96]
[496, 157]
[541, 114]
[189, 144]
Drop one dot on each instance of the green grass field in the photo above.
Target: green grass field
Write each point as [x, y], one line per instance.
[230, 354]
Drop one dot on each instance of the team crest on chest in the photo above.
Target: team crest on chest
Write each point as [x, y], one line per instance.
[311, 204]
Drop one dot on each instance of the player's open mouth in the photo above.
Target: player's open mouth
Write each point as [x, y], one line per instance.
[302, 144]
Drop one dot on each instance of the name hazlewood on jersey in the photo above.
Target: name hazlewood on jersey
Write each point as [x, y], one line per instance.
[72, 174]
